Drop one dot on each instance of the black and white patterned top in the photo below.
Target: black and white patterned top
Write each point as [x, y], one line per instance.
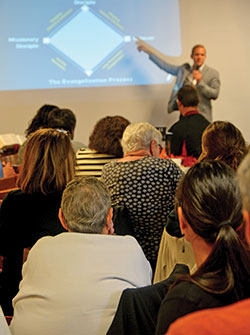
[146, 187]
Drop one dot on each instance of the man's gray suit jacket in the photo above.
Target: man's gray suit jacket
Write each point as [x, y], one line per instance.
[208, 87]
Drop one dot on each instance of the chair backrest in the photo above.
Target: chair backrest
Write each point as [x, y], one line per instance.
[9, 182]
[122, 223]
[7, 185]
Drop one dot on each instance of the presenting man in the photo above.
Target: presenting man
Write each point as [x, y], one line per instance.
[191, 125]
[199, 74]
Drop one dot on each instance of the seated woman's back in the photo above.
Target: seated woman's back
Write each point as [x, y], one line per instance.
[209, 208]
[31, 212]
[144, 184]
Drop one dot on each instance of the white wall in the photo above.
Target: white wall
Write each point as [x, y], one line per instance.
[222, 26]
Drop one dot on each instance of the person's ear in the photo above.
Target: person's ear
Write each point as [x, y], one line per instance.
[151, 149]
[246, 216]
[72, 133]
[154, 148]
[109, 226]
[184, 226]
[181, 220]
[179, 104]
[62, 220]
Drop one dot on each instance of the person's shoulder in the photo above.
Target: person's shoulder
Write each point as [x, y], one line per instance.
[183, 290]
[125, 245]
[202, 117]
[190, 293]
[43, 247]
[14, 196]
[194, 294]
[175, 125]
[15, 193]
[211, 70]
[199, 117]
[43, 243]
[186, 66]
[168, 164]
[110, 165]
[127, 241]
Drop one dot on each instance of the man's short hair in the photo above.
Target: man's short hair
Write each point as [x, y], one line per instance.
[198, 46]
[85, 205]
[188, 96]
[243, 173]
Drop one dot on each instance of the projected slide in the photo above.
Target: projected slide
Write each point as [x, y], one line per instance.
[72, 43]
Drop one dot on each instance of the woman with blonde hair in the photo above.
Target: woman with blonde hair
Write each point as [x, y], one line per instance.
[31, 211]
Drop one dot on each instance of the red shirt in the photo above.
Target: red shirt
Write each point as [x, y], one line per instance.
[230, 320]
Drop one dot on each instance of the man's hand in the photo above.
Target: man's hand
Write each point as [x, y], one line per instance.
[142, 47]
[197, 75]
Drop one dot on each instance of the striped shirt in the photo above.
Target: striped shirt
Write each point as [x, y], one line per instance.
[90, 163]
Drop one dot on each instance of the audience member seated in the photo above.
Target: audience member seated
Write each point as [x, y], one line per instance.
[104, 146]
[188, 130]
[223, 141]
[220, 141]
[31, 212]
[40, 120]
[64, 119]
[144, 184]
[72, 282]
[233, 319]
[209, 207]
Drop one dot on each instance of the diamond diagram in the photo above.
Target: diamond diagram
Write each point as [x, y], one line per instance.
[86, 40]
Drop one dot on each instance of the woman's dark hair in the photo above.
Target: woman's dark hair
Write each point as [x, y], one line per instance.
[211, 203]
[40, 119]
[107, 134]
[221, 140]
[62, 118]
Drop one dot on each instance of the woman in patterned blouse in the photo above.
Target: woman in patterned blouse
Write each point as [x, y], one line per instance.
[144, 184]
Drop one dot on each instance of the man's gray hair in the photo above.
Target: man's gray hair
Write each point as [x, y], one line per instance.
[138, 136]
[85, 205]
[243, 173]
